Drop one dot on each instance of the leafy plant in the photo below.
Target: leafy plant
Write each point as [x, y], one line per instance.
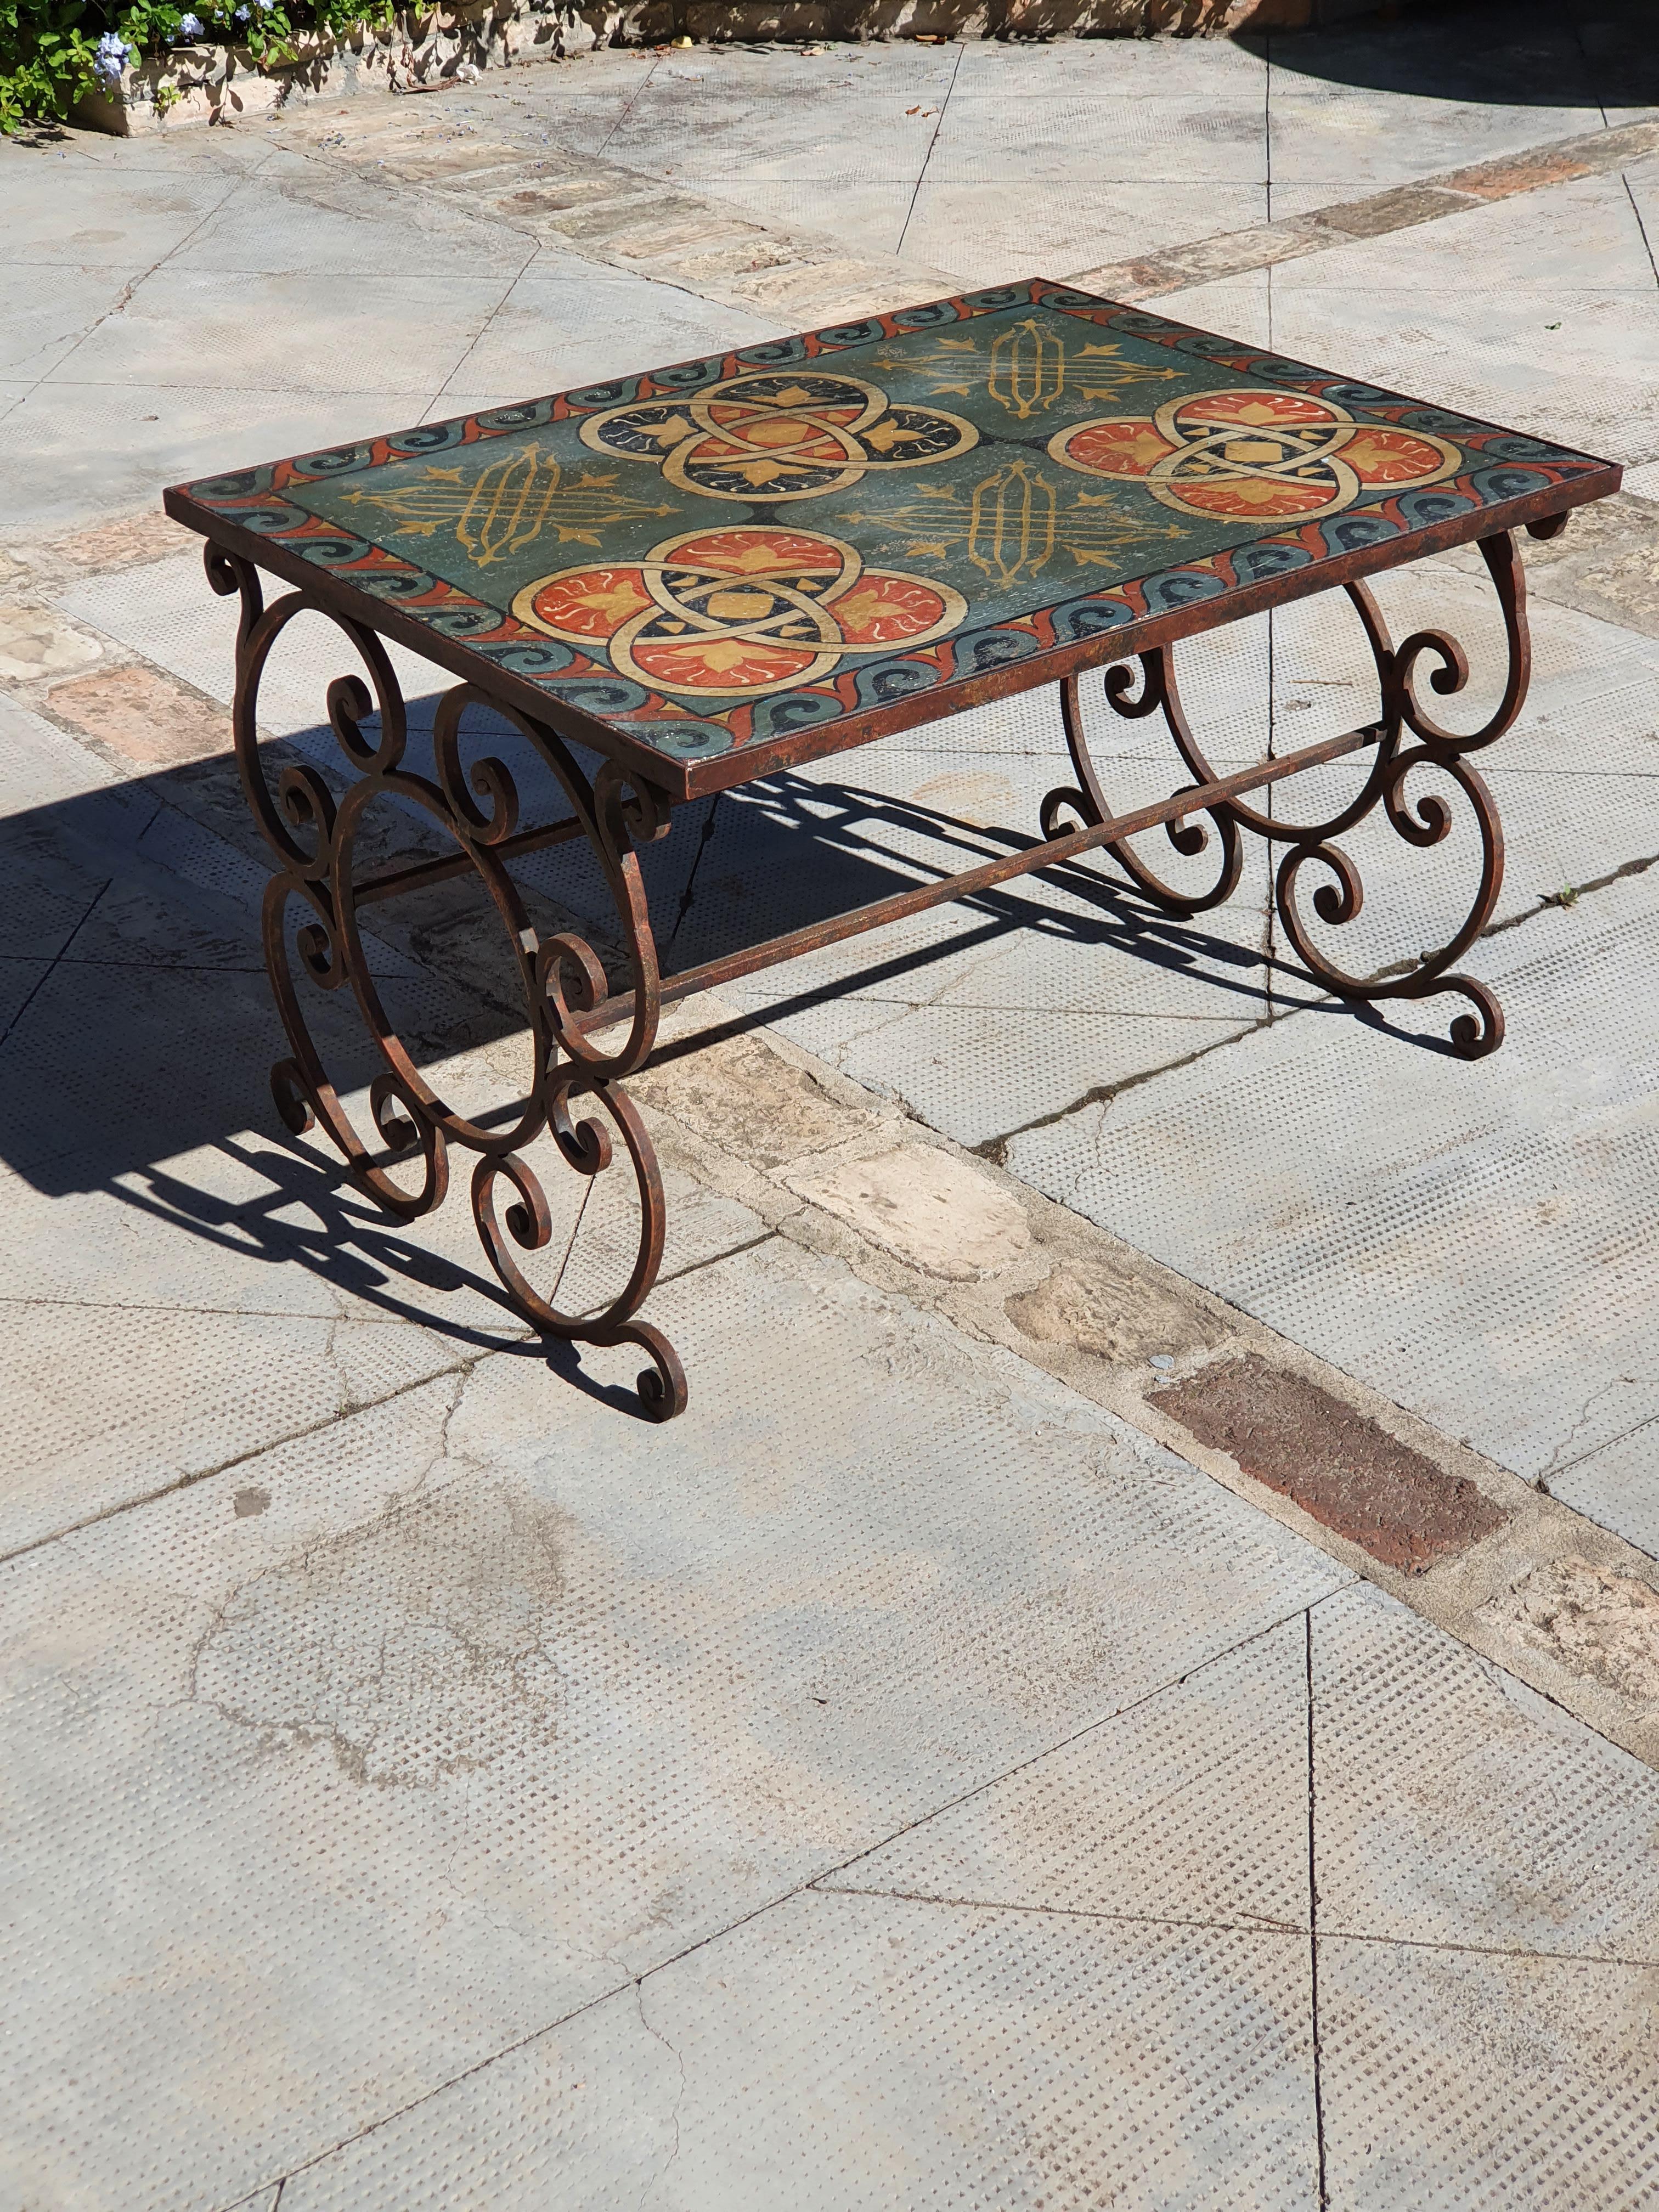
[53, 52]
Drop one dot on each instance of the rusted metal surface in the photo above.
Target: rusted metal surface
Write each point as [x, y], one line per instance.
[1068, 845]
[312, 837]
[1337, 1465]
[1311, 844]
[568, 996]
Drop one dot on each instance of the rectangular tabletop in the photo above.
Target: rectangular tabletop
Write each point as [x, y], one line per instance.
[711, 570]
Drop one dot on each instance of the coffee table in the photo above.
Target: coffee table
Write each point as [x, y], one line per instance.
[673, 584]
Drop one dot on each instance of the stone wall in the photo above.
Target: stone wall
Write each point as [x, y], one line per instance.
[210, 84]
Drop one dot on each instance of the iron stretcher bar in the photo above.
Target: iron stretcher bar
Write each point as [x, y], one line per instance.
[776, 950]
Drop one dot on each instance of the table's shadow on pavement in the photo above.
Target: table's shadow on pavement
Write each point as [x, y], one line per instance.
[136, 1026]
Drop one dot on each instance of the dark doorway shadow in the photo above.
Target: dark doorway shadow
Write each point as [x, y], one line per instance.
[1529, 53]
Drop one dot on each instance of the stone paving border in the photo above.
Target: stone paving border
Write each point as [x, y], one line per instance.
[1401, 207]
[623, 217]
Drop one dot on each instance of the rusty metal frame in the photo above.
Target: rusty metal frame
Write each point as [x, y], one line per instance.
[575, 1092]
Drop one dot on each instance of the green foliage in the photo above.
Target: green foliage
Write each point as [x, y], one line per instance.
[45, 59]
[51, 52]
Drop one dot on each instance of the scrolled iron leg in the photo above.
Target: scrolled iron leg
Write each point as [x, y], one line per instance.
[575, 1093]
[1090, 806]
[1423, 822]
[1427, 821]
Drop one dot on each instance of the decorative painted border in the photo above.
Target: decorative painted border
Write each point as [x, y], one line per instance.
[1510, 467]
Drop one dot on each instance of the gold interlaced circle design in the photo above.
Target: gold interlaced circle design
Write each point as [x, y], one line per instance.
[768, 436]
[1262, 455]
[740, 612]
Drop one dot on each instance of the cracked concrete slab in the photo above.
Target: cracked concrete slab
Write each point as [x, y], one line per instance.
[360, 1693]
[898, 2041]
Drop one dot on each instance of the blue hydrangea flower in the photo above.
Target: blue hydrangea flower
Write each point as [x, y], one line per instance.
[112, 55]
[238, 15]
[190, 26]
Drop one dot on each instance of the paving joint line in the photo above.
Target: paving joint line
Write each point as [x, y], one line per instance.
[1313, 1926]
[56, 962]
[1250, 1924]
[994, 1149]
[1375, 215]
[1340, 223]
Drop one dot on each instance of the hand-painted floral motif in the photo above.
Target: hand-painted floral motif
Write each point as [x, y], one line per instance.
[764, 437]
[742, 611]
[1267, 456]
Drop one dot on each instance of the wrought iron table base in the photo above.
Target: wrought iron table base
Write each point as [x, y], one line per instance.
[575, 1093]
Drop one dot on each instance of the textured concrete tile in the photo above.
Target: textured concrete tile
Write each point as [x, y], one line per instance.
[161, 1396]
[983, 135]
[77, 452]
[264, 230]
[1323, 130]
[184, 329]
[53, 883]
[40, 764]
[1000, 2058]
[19, 979]
[1471, 1238]
[1449, 2079]
[554, 331]
[1192, 70]
[1192, 1806]
[1588, 383]
[1453, 1806]
[67, 215]
[866, 216]
[973, 1043]
[1234, 306]
[690, 132]
[52, 309]
[166, 611]
[1577, 238]
[987, 235]
[392, 1745]
[884, 67]
[585, 2112]
[1618, 1487]
[978, 1073]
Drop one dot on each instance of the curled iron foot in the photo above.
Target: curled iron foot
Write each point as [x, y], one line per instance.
[662, 1386]
[1473, 1035]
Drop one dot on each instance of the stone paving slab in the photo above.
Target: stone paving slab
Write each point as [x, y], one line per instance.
[415, 1609]
[1051, 1689]
[1487, 1222]
[904, 2021]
